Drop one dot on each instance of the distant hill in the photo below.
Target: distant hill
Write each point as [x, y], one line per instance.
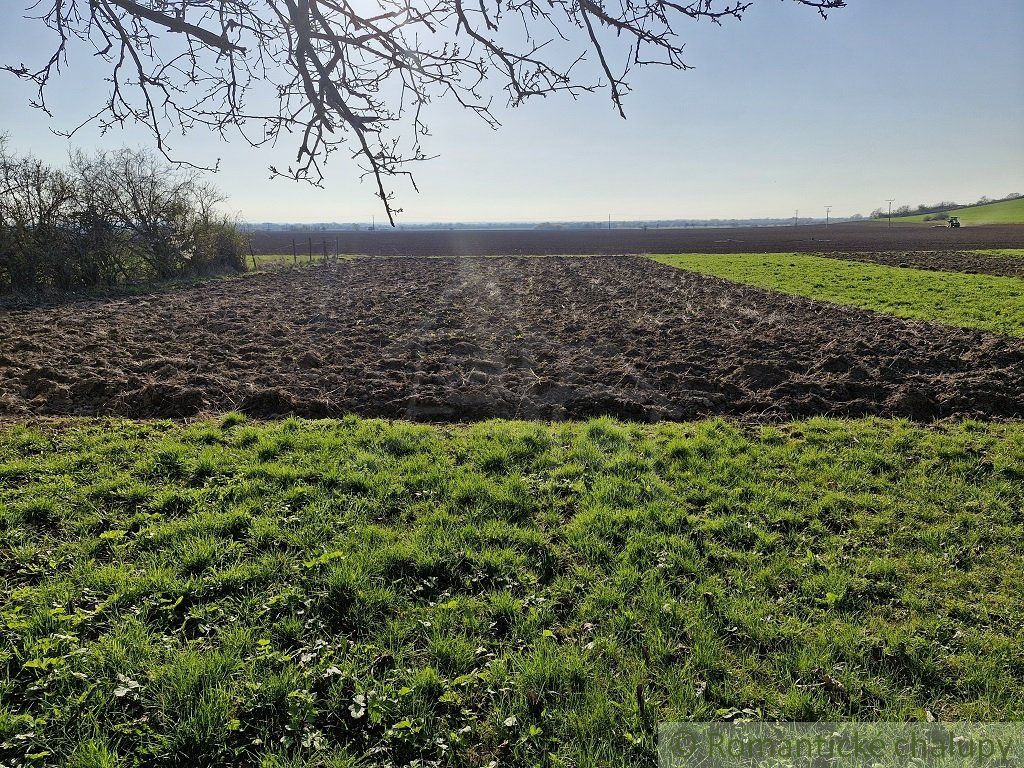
[1004, 212]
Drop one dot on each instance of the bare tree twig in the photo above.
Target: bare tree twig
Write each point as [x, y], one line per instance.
[335, 76]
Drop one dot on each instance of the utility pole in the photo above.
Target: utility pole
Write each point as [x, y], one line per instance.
[828, 210]
[796, 218]
[890, 212]
[609, 222]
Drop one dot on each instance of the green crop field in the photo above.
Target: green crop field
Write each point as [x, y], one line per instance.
[1005, 212]
[986, 302]
[356, 591]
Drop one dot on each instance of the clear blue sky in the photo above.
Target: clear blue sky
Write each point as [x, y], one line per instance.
[919, 100]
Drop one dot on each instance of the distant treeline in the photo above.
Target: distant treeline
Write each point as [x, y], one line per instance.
[109, 218]
[940, 209]
[644, 224]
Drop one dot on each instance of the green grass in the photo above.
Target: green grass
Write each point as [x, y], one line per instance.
[1005, 212]
[287, 259]
[327, 593]
[273, 259]
[986, 302]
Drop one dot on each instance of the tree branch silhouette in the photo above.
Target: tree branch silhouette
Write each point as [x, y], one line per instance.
[353, 74]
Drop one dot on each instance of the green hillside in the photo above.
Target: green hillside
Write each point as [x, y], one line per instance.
[1006, 212]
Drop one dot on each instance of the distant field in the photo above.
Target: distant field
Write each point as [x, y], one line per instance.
[1006, 212]
[838, 238]
[985, 302]
[373, 593]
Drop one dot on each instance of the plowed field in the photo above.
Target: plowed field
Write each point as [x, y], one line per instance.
[458, 339]
[838, 238]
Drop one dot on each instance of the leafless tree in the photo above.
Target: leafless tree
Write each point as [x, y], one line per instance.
[36, 204]
[139, 195]
[171, 218]
[355, 74]
[109, 217]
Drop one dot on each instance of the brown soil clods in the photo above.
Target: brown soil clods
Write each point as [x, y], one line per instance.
[456, 339]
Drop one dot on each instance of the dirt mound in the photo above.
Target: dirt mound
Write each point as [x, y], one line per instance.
[473, 338]
[157, 399]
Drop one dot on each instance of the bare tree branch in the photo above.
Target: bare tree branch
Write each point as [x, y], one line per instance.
[177, 24]
[336, 74]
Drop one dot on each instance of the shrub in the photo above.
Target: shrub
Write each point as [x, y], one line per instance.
[218, 246]
[111, 217]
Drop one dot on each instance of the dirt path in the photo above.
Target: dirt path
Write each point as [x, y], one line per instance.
[466, 339]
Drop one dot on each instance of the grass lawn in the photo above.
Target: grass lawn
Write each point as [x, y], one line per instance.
[321, 593]
[1005, 212]
[986, 302]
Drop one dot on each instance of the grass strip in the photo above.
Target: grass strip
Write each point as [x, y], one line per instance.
[986, 302]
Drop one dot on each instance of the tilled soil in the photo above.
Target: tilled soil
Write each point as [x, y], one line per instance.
[471, 338]
[865, 236]
[944, 261]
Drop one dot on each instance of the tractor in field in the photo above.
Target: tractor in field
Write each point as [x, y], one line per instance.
[954, 222]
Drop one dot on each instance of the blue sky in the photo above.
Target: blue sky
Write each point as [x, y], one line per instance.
[918, 100]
